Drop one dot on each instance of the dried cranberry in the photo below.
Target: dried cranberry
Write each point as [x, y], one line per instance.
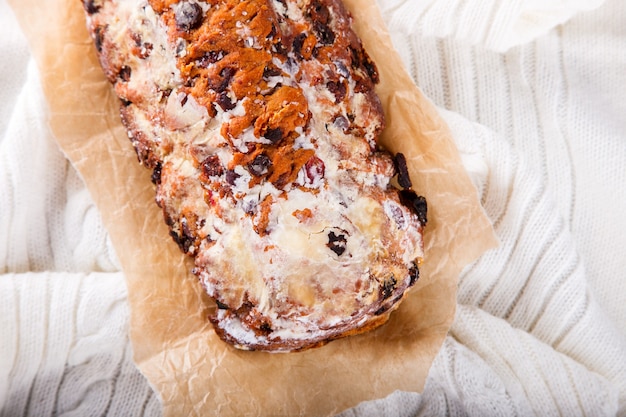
[211, 166]
[188, 16]
[314, 170]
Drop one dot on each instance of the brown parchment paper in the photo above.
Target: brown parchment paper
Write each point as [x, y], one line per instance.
[174, 346]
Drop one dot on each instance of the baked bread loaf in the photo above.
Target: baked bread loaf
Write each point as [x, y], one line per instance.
[259, 121]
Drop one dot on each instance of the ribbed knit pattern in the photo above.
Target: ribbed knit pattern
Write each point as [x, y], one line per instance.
[64, 346]
[534, 94]
[65, 349]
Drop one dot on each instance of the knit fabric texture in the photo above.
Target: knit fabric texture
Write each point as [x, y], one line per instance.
[533, 92]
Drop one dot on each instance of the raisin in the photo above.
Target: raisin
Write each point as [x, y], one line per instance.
[416, 203]
[337, 243]
[265, 327]
[318, 12]
[175, 236]
[298, 42]
[91, 7]
[181, 46]
[342, 69]
[124, 74]
[224, 101]
[320, 16]
[210, 57]
[355, 57]
[370, 68]
[226, 74]
[260, 165]
[221, 305]
[185, 239]
[212, 167]
[387, 288]
[188, 16]
[250, 207]
[404, 180]
[231, 176]
[99, 37]
[156, 174]
[274, 135]
[324, 33]
[271, 71]
[414, 274]
[381, 310]
[341, 122]
[338, 89]
[360, 60]
[280, 49]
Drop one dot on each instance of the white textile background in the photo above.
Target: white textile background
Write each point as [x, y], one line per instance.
[535, 94]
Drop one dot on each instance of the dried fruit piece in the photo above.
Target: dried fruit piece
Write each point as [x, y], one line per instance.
[188, 15]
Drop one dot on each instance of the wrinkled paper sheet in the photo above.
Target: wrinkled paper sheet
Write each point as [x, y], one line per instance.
[174, 345]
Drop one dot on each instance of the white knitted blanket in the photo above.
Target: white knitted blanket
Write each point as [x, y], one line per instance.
[535, 94]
